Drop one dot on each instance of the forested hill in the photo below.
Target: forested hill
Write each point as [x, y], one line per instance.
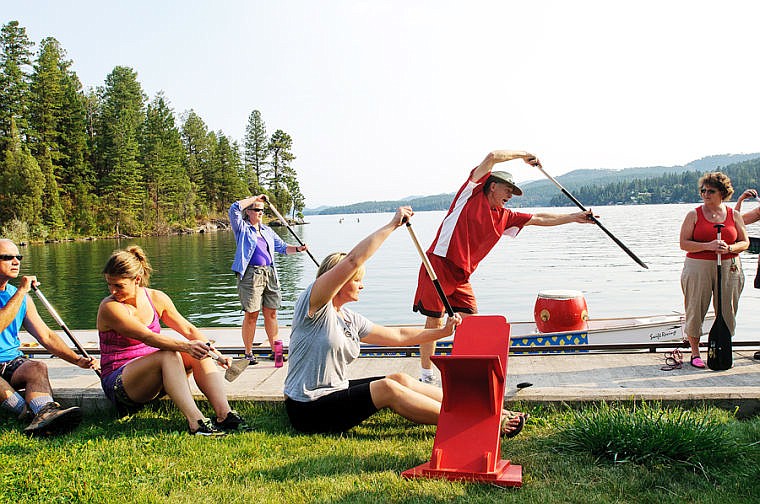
[656, 184]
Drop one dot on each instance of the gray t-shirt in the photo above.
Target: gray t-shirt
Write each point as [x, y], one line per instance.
[321, 347]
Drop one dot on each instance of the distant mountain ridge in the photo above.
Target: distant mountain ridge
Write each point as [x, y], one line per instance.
[541, 192]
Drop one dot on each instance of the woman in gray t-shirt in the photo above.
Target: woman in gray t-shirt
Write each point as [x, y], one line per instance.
[325, 339]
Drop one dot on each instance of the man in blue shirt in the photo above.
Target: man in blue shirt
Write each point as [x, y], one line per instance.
[18, 372]
[258, 285]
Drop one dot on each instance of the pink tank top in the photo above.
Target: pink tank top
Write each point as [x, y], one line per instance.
[117, 350]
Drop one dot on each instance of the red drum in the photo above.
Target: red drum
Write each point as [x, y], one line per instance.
[560, 311]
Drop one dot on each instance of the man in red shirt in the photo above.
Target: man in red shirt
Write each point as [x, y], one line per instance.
[476, 220]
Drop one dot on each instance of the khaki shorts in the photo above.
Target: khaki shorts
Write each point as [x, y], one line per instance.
[259, 287]
[698, 278]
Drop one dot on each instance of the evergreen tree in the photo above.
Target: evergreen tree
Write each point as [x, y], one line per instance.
[256, 153]
[46, 110]
[120, 118]
[77, 174]
[162, 154]
[299, 201]
[15, 59]
[279, 150]
[199, 152]
[21, 183]
[228, 184]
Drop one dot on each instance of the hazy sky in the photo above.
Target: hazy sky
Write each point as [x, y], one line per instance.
[385, 99]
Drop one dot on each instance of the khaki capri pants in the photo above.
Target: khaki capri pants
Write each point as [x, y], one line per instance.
[699, 283]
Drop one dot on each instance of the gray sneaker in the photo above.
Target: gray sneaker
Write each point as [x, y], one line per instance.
[52, 420]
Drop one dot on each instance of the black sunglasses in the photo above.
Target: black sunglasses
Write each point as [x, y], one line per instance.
[255, 209]
[9, 257]
[708, 191]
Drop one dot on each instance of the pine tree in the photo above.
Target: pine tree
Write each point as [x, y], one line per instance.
[162, 154]
[256, 153]
[45, 111]
[77, 175]
[228, 184]
[120, 183]
[15, 59]
[199, 152]
[279, 150]
[21, 183]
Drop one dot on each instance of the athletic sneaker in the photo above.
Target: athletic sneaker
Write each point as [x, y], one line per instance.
[284, 357]
[233, 422]
[252, 360]
[206, 428]
[430, 380]
[52, 420]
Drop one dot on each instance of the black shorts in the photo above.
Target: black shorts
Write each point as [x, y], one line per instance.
[8, 368]
[335, 412]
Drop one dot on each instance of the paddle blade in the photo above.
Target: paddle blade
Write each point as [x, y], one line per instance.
[237, 367]
[719, 350]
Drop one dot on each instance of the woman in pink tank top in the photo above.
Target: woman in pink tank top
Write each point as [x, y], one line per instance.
[140, 364]
[700, 241]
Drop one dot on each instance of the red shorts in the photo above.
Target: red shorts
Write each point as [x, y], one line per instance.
[455, 284]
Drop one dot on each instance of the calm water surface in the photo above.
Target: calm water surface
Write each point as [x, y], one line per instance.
[195, 269]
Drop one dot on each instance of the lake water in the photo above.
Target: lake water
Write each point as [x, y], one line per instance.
[195, 269]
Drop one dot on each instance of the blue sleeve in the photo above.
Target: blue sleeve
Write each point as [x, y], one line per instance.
[236, 218]
[280, 246]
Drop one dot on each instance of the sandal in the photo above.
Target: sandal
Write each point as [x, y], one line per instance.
[673, 360]
[507, 429]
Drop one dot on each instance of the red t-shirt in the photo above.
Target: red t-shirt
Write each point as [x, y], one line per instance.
[704, 231]
[472, 228]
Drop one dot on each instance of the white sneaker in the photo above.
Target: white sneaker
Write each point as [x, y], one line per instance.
[430, 380]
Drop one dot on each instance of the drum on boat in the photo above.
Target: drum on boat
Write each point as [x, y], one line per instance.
[560, 310]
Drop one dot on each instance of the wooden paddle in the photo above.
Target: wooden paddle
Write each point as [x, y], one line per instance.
[285, 223]
[596, 221]
[234, 370]
[719, 351]
[61, 323]
[429, 268]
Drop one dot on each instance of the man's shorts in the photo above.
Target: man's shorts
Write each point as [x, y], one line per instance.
[455, 284]
[335, 412]
[259, 287]
[8, 368]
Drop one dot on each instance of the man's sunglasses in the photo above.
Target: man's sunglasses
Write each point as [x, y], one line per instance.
[255, 209]
[9, 257]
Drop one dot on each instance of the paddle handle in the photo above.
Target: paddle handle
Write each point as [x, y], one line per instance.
[61, 323]
[285, 223]
[718, 227]
[591, 216]
[218, 358]
[429, 268]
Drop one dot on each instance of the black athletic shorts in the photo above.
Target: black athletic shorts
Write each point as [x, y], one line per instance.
[8, 368]
[335, 412]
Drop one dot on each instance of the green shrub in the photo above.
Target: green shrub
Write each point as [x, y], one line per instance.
[645, 433]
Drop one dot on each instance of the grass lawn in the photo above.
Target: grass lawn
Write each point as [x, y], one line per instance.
[625, 453]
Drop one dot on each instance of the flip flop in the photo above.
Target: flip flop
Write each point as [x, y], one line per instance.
[673, 360]
[508, 430]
